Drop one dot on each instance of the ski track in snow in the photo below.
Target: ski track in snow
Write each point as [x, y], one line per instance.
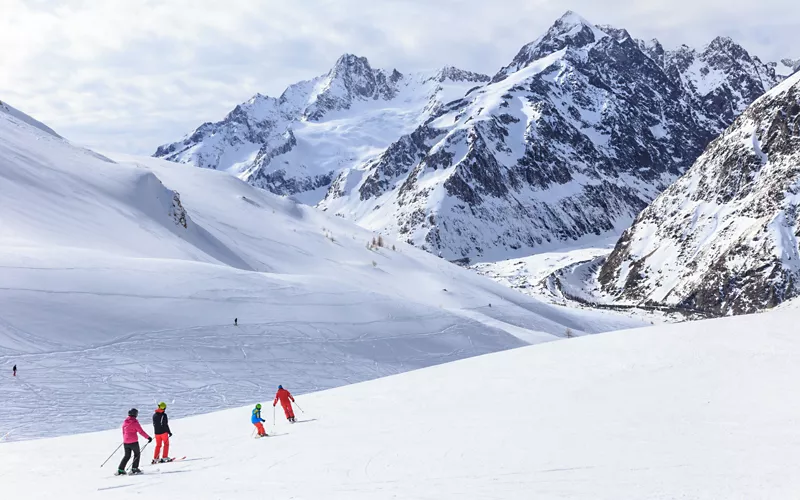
[697, 410]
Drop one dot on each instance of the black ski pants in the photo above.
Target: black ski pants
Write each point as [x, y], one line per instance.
[131, 448]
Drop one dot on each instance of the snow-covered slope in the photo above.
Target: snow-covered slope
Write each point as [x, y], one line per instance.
[19, 115]
[295, 144]
[695, 411]
[119, 282]
[724, 237]
[571, 140]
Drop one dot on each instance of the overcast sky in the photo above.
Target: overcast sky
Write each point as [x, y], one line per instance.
[129, 75]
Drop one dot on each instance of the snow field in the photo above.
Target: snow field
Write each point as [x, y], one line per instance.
[697, 411]
[108, 301]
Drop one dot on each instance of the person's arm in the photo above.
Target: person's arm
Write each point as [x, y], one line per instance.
[142, 432]
[166, 425]
[290, 396]
[276, 399]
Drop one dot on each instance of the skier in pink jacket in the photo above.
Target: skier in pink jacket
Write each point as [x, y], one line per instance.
[130, 439]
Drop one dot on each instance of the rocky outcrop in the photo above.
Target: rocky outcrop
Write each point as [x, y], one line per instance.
[724, 237]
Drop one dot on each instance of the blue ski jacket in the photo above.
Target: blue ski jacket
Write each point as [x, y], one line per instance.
[256, 418]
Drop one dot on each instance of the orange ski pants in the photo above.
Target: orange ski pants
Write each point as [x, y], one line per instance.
[162, 439]
[260, 428]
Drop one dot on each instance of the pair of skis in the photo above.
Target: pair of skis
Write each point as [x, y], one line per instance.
[128, 471]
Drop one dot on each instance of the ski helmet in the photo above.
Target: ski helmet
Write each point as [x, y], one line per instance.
[133, 412]
[162, 405]
[280, 387]
[258, 406]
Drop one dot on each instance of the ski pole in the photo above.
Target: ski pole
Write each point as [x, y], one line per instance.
[297, 405]
[273, 415]
[109, 457]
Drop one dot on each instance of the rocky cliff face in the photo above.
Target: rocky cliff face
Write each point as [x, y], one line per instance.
[572, 139]
[724, 237]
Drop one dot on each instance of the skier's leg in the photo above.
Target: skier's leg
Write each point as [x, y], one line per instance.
[136, 455]
[166, 445]
[158, 446]
[260, 429]
[126, 457]
[287, 409]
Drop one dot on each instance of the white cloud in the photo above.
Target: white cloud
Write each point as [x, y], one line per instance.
[131, 74]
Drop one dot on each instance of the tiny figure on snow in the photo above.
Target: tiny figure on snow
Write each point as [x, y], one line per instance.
[14, 370]
[285, 397]
[235, 321]
[131, 428]
[258, 421]
[162, 432]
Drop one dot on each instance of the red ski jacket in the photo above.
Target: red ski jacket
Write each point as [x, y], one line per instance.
[284, 396]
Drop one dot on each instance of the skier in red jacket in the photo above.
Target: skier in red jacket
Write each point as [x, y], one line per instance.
[285, 397]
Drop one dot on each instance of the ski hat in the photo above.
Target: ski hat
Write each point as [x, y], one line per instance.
[258, 406]
[162, 405]
[280, 387]
[133, 412]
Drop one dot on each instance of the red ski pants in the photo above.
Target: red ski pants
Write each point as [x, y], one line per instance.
[260, 428]
[162, 439]
[287, 409]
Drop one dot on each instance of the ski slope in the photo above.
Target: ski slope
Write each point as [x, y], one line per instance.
[695, 411]
[120, 282]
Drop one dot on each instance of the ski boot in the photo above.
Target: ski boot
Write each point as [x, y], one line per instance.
[166, 460]
[120, 472]
[135, 472]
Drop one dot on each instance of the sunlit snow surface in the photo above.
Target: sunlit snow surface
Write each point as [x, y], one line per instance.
[107, 301]
[695, 411]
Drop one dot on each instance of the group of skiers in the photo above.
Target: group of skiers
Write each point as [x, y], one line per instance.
[131, 429]
[286, 399]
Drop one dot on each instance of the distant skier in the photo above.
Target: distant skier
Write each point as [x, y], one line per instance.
[14, 370]
[162, 432]
[130, 430]
[235, 321]
[285, 397]
[257, 421]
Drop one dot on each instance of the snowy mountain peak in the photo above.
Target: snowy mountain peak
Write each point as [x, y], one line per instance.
[351, 79]
[350, 64]
[787, 67]
[458, 75]
[570, 30]
[573, 138]
[572, 19]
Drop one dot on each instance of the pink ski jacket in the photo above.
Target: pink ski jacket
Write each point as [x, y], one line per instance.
[130, 427]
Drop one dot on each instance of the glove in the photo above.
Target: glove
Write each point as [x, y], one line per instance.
[149, 440]
[170, 434]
